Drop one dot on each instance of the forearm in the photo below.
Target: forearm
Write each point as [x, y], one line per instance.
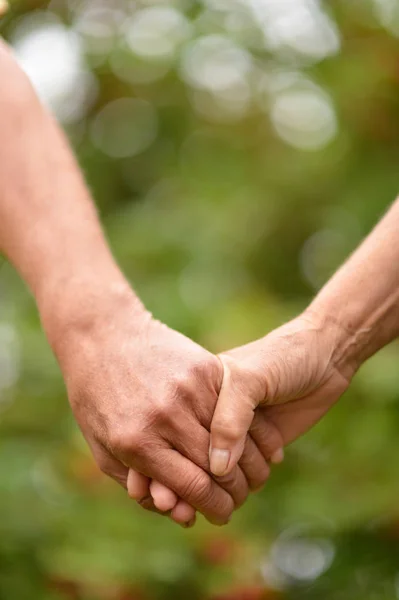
[362, 298]
[48, 224]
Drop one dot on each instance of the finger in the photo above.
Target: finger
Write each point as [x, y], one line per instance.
[183, 514]
[254, 465]
[267, 437]
[235, 482]
[148, 504]
[192, 485]
[164, 498]
[138, 485]
[109, 465]
[166, 501]
[231, 421]
[138, 488]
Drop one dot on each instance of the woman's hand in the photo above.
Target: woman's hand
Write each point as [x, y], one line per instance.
[291, 374]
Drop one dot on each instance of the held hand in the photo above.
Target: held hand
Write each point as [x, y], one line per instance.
[291, 372]
[144, 396]
[263, 437]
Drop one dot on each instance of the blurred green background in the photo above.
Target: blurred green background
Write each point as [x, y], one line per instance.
[238, 150]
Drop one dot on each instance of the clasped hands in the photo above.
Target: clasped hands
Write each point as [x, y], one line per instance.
[181, 429]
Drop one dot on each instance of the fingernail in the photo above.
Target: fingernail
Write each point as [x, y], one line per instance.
[219, 460]
[277, 457]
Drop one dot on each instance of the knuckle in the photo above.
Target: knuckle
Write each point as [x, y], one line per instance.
[236, 484]
[163, 406]
[199, 373]
[183, 384]
[200, 491]
[234, 478]
[207, 372]
[167, 413]
[199, 488]
[176, 392]
[226, 480]
[125, 441]
[227, 429]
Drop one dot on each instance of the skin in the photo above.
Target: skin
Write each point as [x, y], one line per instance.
[289, 374]
[300, 370]
[295, 374]
[142, 394]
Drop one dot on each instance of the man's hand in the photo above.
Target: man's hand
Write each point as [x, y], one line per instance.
[291, 372]
[144, 396]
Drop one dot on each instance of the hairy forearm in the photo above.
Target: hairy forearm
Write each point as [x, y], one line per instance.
[48, 224]
[362, 298]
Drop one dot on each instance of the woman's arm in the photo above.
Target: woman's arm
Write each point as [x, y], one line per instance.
[302, 368]
[362, 298]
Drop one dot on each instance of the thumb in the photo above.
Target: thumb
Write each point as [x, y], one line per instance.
[231, 421]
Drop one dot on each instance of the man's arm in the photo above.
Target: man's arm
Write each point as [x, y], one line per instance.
[140, 391]
[298, 371]
[48, 225]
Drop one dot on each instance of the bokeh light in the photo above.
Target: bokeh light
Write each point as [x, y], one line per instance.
[301, 27]
[125, 127]
[52, 57]
[215, 63]
[218, 71]
[98, 29]
[157, 32]
[304, 117]
[388, 14]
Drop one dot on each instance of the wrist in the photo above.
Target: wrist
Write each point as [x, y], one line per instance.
[343, 343]
[83, 306]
